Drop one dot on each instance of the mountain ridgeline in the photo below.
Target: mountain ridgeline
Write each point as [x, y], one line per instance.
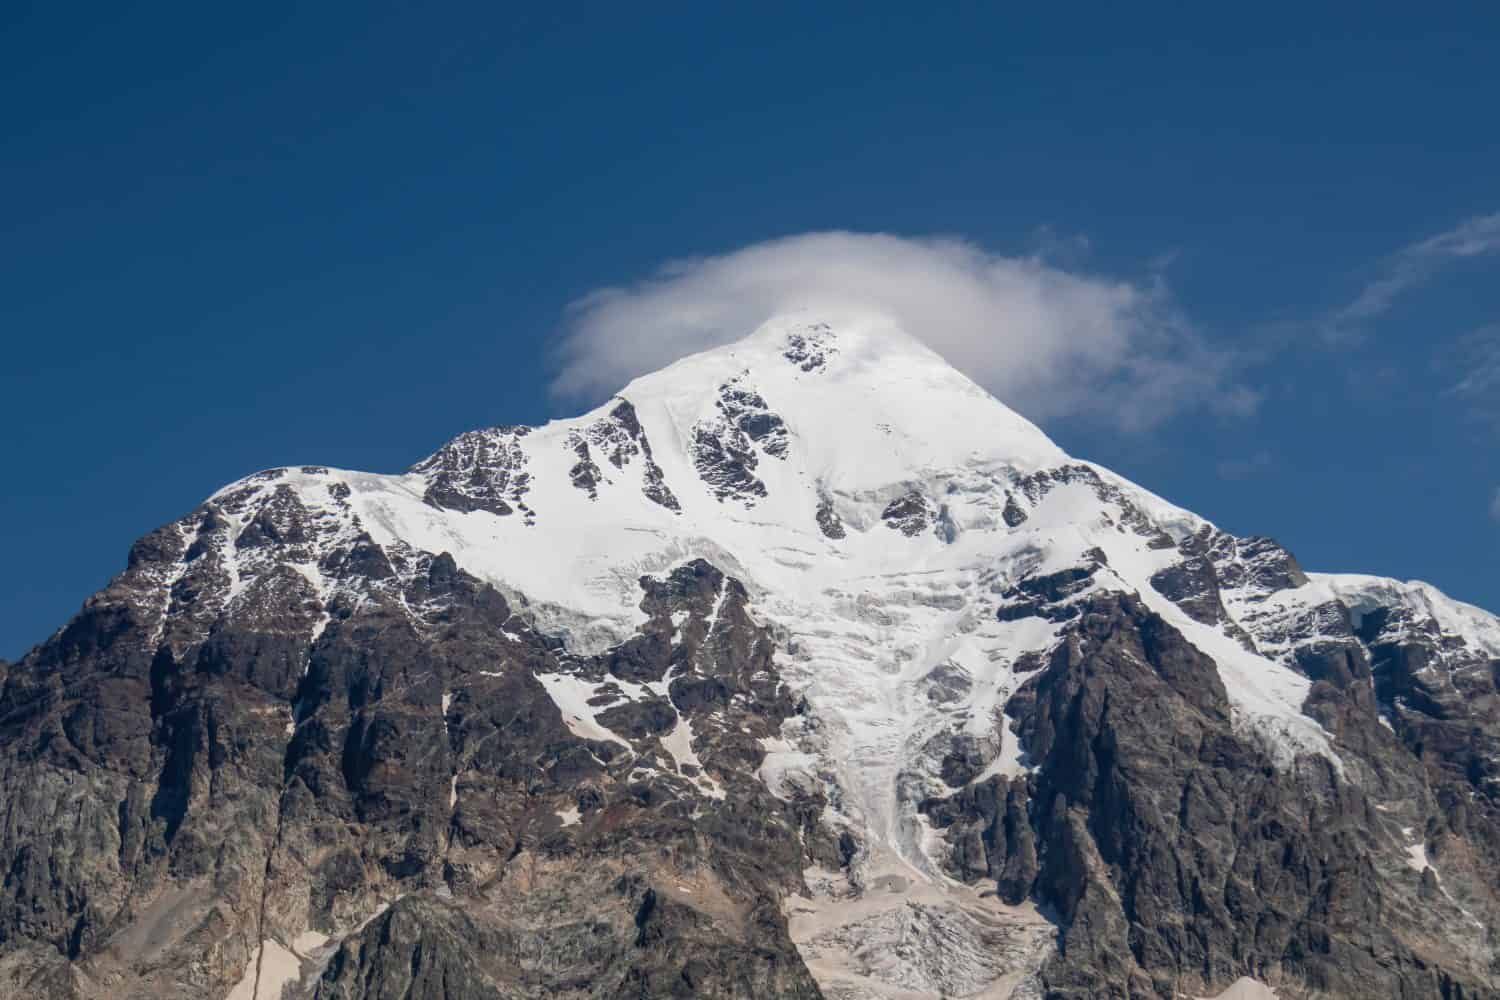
[801, 668]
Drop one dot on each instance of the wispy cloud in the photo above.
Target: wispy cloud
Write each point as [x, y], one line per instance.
[1412, 267]
[1241, 469]
[1051, 341]
[1472, 364]
[1495, 506]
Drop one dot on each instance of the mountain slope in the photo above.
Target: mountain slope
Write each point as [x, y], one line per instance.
[802, 667]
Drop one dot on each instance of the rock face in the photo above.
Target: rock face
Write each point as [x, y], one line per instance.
[802, 668]
[479, 470]
[182, 792]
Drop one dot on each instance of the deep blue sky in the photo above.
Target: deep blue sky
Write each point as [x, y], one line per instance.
[237, 239]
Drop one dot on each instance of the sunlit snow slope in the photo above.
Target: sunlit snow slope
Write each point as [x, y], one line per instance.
[859, 486]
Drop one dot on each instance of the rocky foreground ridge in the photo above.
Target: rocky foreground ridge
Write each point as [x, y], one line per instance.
[802, 668]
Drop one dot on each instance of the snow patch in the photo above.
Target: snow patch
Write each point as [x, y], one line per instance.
[571, 695]
[272, 967]
[679, 743]
[308, 942]
[1245, 988]
[1416, 854]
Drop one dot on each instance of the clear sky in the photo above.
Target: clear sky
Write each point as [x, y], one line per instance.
[239, 238]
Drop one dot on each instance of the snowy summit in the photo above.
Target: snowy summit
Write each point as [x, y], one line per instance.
[808, 631]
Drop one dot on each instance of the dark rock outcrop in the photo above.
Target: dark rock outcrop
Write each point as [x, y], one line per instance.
[828, 519]
[620, 440]
[1176, 853]
[910, 514]
[726, 449]
[810, 349]
[480, 470]
[195, 768]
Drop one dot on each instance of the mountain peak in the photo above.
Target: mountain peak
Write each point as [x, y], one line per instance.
[840, 344]
[809, 616]
[865, 401]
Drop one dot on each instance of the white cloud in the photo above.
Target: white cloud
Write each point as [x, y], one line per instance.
[1239, 469]
[1473, 362]
[1415, 265]
[1050, 342]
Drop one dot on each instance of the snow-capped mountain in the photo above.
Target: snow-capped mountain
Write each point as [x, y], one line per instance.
[801, 667]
